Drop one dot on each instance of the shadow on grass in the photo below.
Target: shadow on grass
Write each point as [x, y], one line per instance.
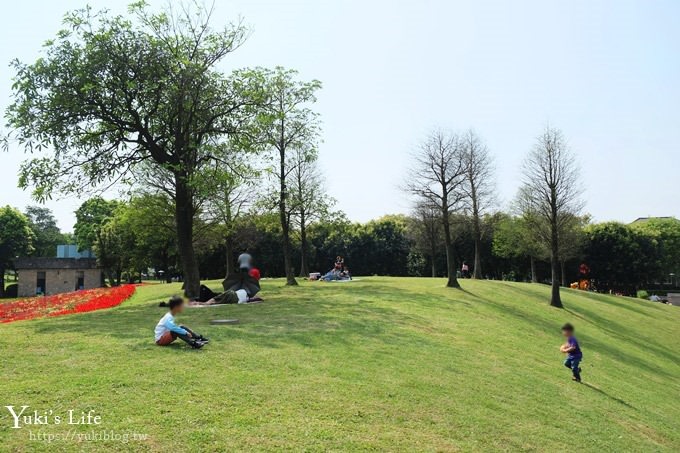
[603, 393]
[623, 333]
[625, 303]
[620, 355]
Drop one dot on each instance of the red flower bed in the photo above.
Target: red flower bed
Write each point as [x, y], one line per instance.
[64, 304]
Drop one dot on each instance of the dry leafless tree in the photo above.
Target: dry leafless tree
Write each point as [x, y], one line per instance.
[478, 188]
[436, 179]
[551, 195]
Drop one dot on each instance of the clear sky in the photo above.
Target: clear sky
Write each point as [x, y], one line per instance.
[606, 72]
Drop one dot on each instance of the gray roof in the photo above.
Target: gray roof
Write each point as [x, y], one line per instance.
[55, 263]
[647, 219]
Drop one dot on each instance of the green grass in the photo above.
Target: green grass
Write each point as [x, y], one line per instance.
[381, 364]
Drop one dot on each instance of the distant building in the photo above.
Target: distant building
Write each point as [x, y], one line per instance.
[647, 219]
[69, 271]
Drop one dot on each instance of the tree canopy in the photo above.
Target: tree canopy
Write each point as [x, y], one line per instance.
[114, 91]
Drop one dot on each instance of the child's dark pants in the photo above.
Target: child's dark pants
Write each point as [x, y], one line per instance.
[186, 338]
[573, 364]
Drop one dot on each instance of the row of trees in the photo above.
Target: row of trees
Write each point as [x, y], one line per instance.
[131, 237]
[210, 158]
[453, 176]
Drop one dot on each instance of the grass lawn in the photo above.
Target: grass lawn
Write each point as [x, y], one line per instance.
[378, 364]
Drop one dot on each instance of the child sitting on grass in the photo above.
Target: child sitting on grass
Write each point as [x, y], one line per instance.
[573, 351]
[167, 331]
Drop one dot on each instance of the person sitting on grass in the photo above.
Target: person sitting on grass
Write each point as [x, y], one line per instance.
[345, 274]
[573, 351]
[167, 331]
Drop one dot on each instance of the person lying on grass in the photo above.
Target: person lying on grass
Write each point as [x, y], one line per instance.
[573, 351]
[167, 331]
[228, 297]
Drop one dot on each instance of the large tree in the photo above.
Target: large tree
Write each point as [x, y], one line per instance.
[478, 185]
[622, 257]
[287, 128]
[666, 231]
[551, 194]
[16, 238]
[436, 180]
[113, 91]
[46, 231]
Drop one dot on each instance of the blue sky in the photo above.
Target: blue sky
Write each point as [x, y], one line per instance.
[606, 72]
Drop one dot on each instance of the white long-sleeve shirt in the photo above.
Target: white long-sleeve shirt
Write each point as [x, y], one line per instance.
[167, 323]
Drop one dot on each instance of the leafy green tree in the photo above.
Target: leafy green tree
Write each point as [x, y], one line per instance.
[150, 217]
[46, 232]
[16, 238]
[114, 91]
[91, 233]
[666, 231]
[91, 217]
[115, 248]
[513, 238]
[621, 257]
[288, 127]
[388, 246]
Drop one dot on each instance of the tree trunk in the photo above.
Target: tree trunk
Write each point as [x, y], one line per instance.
[111, 277]
[533, 270]
[285, 223]
[304, 270]
[564, 273]
[477, 272]
[450, 255]
[184, 217]
[229, 251]
[555, 299]
[433, 255]
[2, 282]
[287, 259]
[451, 267]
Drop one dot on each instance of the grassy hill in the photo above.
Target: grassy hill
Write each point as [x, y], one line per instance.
[378, 364]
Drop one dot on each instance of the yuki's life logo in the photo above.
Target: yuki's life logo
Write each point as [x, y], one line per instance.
[24, 416]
